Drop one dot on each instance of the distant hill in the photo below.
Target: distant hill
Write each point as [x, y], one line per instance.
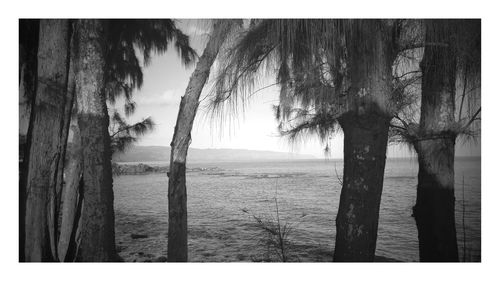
[162, 153]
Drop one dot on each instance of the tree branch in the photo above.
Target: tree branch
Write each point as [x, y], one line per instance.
[463, 97]
[126, 128]
[472, 119]
[402, 121]
[397, 127]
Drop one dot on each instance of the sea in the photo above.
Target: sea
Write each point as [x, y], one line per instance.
[226, 200]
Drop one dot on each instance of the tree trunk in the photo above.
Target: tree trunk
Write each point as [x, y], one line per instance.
[177, 198]
[46, 136]
[28, 50]
[98, 222]
[72, 199]
[365, 144]
[435, 144]
[55, 202]
[435, 208]
[366, 128]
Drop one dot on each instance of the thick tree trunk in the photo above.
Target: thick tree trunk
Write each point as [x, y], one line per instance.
[98, 222]
[46, 136]
[365, 144]
[435, 208]
[71, 199]
[28, 50]
[366, 128]
[435, 144]
[177, 198]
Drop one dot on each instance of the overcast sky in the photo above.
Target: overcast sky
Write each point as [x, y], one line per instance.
[165, 81]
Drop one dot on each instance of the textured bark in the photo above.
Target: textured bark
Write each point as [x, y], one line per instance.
[98, 233]
[366, 127]
[365, 144]
[72, 199]
[177, 197]
[177, 213]
[46, 136]
[435, 144]
[28, 50]
[55, 202]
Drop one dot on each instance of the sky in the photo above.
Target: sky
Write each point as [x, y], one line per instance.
[165, 80]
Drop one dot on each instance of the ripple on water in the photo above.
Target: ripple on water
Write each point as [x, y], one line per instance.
[220, 231]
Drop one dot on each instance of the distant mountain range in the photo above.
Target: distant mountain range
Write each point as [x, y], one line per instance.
[162, 153]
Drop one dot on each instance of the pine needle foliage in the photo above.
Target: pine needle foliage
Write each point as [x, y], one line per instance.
[463, 47]
[310, 61]
[123, 135]
[129, 38]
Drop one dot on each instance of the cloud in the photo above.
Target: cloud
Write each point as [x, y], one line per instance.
[166, 98]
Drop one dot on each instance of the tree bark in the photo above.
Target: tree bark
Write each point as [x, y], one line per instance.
[55, 202]
[72, 199]
[434, 211]
[28, 50]
[365, 144]
[177, 198]
[366, 127]
[98, 221]
[46, 136]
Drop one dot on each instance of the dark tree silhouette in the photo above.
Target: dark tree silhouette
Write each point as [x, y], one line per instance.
[28, 50]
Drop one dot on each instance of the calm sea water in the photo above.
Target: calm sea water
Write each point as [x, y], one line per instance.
[308, 194]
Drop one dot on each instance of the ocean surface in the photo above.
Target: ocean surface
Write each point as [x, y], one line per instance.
[223, 198]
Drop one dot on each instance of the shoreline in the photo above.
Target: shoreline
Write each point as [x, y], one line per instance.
[145, 169]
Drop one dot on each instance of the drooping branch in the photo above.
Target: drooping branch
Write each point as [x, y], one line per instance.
[126, 134]
[139, 127]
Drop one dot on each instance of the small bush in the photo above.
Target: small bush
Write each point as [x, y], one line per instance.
[275, 235]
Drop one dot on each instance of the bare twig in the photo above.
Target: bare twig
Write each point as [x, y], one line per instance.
[473, 118]
[338, 177]
[397, 127]
[463, 97]
[401, 120]
[276, 232]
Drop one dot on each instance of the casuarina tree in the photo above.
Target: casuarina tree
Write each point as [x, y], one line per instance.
[333, 74]
[46, 138]
[177, 197]
[125, 41]
[451, 60]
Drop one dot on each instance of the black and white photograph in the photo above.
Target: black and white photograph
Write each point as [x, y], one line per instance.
[250, 140]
